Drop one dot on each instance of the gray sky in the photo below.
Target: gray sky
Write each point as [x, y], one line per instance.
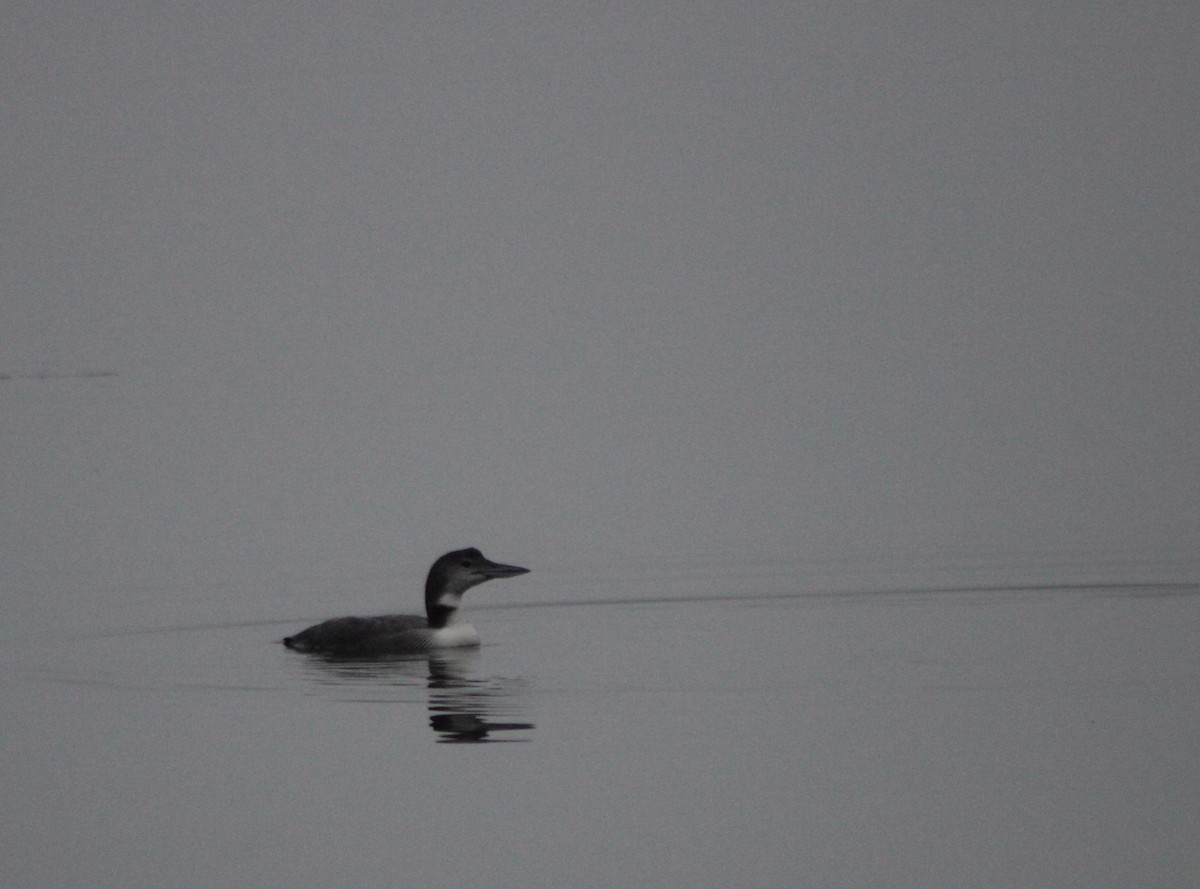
[378, 279]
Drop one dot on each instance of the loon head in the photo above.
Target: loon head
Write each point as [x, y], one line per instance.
[455, 573]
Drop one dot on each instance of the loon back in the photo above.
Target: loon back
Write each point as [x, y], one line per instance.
[449, 577]
[363, 635]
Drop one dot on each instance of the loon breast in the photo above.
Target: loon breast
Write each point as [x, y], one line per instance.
[458, 635]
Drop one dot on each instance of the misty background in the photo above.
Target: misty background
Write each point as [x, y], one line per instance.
[300, 291]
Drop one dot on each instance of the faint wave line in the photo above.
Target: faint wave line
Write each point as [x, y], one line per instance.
[1143, 590]
[1148, 590]
[59, 375]
[194, 628]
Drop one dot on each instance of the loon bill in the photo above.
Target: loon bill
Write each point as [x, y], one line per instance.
[449, 577]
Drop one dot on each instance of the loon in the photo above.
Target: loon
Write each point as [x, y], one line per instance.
[451, 576]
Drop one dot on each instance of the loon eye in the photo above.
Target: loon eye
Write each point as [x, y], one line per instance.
[467, 563]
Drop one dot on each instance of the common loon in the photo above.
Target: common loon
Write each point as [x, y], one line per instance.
[451, 576]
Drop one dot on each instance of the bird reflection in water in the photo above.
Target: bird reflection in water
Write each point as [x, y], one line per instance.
[463, 709]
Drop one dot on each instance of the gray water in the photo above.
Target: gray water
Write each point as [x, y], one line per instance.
[1033, 737]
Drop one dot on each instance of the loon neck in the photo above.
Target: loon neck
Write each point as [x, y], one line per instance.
[442, 603]
[443, 594]
[441, 614]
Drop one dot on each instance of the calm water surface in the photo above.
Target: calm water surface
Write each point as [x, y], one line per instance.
[915, 736]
